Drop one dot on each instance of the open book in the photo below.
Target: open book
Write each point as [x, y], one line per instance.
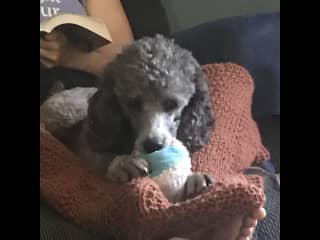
[83, 31]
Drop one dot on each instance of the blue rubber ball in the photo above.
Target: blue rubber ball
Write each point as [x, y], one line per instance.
[165, 158]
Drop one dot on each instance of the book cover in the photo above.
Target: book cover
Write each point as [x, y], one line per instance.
[86, 32]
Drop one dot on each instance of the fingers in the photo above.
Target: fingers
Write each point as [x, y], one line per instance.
[48, 55]
[51, 46]
[48, 58]
[259, 214]
[53, 36]
[250, 222]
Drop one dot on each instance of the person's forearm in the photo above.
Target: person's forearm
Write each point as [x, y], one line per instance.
[112, 14]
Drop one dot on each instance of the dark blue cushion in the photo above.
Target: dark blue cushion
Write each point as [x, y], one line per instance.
[251, 41]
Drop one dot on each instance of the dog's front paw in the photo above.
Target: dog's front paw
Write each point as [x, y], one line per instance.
[196, 183]
[126, 167]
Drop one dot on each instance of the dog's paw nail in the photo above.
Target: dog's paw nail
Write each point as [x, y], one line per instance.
[209, 179]
[145, 172]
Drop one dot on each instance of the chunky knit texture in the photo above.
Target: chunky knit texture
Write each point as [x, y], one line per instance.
[138, 210]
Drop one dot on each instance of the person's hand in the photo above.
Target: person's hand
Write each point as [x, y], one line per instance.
[51, 49]
[56, 50]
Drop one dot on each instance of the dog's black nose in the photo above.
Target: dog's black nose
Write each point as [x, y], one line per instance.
[150, 145]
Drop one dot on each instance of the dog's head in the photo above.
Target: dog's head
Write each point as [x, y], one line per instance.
[160, 90]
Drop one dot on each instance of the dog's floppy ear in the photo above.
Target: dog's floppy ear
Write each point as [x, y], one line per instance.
[110, 131]
[197, 118]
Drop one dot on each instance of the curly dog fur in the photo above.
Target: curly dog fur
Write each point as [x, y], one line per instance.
[153, 93]
[154, 76]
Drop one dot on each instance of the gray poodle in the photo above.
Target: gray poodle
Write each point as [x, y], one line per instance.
[151, 95]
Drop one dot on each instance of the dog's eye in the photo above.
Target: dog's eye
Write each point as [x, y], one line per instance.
[177, 118]
[170, 105]
[135, 104]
